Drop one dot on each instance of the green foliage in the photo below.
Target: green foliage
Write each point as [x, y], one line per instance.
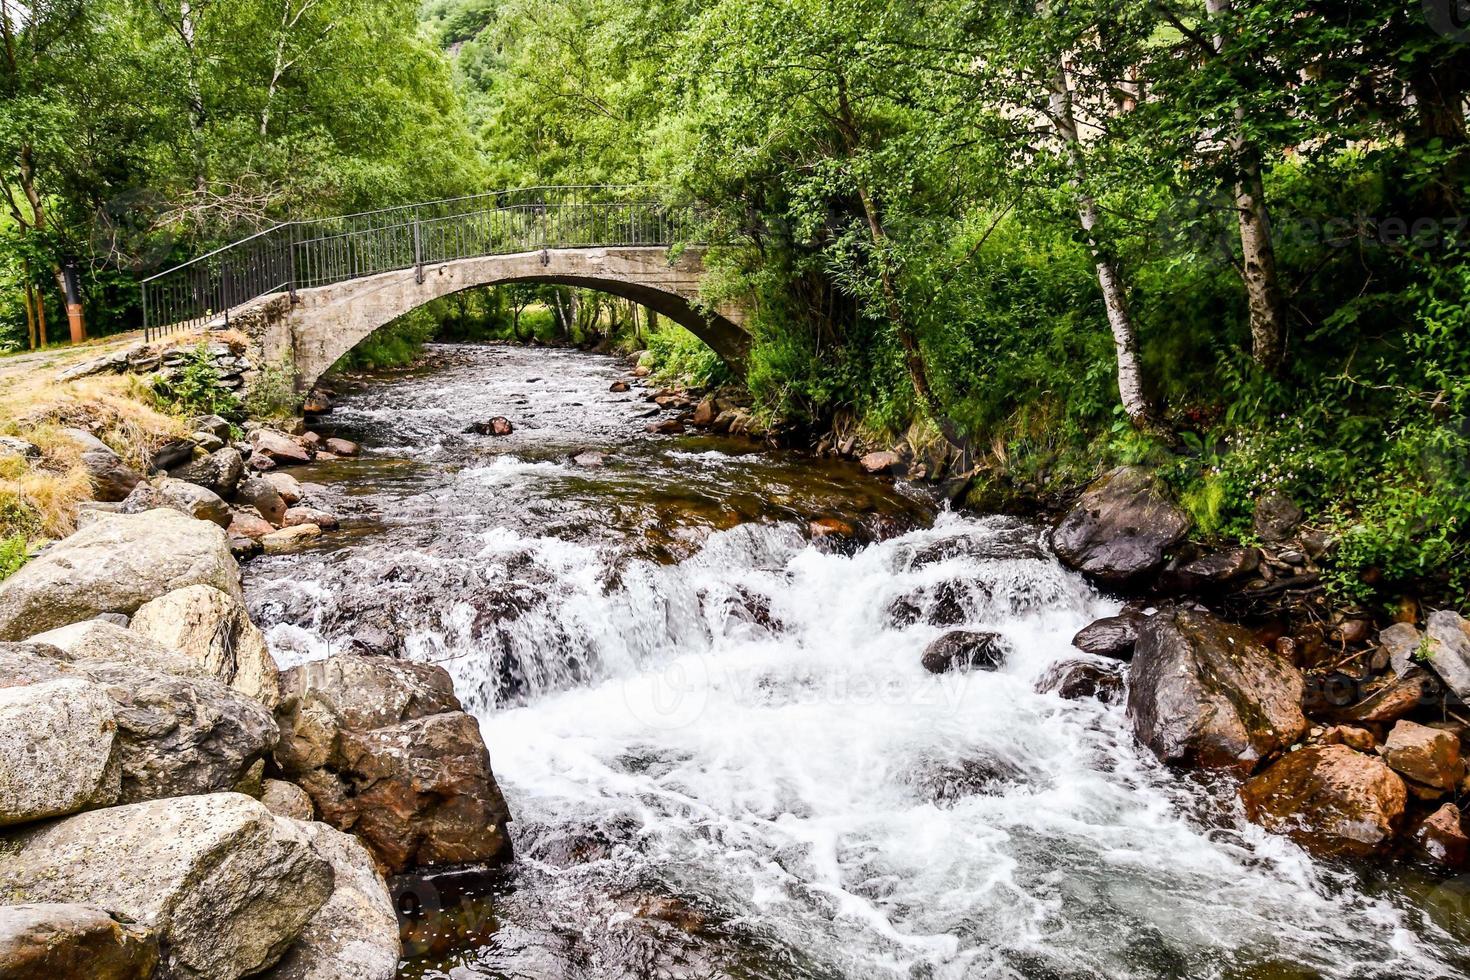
[14, 552]
[398, 344]
[194, 388]
[272, 395]
[676, 355]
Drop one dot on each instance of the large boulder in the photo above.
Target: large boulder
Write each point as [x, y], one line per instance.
[115, 564]
[278, 447]
[214, 628]
[186, 498]
[1121, 529]
[219, 472]
[1206, 693]
[1329, 799]
[175, 735]
[227, 886]
[98, 641]
[260, 493]
[56, 750]
[354, 936]
[1111, 636]
[384, 751]
[71, 942]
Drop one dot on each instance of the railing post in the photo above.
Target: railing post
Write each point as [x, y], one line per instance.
[291, 264]
[418, 250]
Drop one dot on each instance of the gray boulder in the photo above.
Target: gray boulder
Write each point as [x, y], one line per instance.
[260, 493]
[102, 642]
[203, 623]
[1276, 517]
[1121, 529]
[1111, 636]
[354, 936]
[56, 750]
[71, 942]
[115, 564]
[11, 446]
[219, 472]
[286, 799]
[1449, 650]
[964, 650]
[226, 885]
[186, 498]
[1206, 693]
[112, 479]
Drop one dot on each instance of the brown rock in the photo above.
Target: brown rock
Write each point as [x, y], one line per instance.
[261, 494]
[112, 479]
[498, 426]
[641, 371]
[1424, 755]
[289, 539]
[277, 447]
[1329, 799]
[1441, 838]
[1206, 693]
[309, 515]
[1354, 738]
[73, 942]
[249, 524]
[287, 486]
[1382, 700]
[704, 413]
[668, 427]
[346, 447]
[619, 386]
[885, 461]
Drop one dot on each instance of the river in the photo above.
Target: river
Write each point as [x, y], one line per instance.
[720, 751]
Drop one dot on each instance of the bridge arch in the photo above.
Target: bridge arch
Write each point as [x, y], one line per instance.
[326, 322]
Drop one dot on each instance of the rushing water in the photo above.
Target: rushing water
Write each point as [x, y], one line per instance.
[721, 754]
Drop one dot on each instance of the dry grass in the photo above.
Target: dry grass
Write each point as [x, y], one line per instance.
[40, 499]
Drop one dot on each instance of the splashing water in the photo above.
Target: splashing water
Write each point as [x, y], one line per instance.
[722, 755]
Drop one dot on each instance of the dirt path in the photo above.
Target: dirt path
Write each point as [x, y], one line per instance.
[53, 359]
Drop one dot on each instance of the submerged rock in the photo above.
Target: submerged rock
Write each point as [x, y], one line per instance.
[1206, 693]
[62, 941]
[226, 885]
[1121, 528]
[115, 564]
[965, 650]
[498, 426]
[1329, 799]
[1077, 680]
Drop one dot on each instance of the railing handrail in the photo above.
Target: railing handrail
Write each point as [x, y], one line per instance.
[350, 246]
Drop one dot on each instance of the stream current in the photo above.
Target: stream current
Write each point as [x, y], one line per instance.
[721, 754]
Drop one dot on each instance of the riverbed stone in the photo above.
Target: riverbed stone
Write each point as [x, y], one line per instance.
[1111, 636]
[214, 628]
[63, 941]
[289, 539]
[1121, 529]
[56, 750]
[247, 523]
[1329, 799]
[1441, 838]
[115, 564]
[1276, 517]
[354, 936]
[965, 650]
[278, 447]
[219, 472]
[286, 799]
[1215, 570]
[341, 447]
[1401, 641]
[1206, 693]
[198, 502]
[881, 462]
[1424, 755]
[286, 486]
[260, 493]
[310, 515]
[1449, 650]
[227, 886]
[1078, 680]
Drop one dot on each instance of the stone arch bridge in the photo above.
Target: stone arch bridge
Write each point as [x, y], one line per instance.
[308, 292]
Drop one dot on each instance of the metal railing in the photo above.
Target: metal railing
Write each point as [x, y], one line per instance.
[206, 291]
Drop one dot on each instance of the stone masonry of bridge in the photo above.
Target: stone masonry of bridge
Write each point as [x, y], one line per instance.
[328, 321]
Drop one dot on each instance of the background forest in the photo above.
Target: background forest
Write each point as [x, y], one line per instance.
[1224, 238]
